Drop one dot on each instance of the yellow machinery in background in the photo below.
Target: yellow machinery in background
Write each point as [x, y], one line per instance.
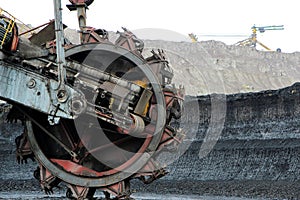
[193, 37]
[252, 40]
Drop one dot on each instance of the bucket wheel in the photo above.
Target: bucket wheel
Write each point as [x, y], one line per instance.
[125, 123]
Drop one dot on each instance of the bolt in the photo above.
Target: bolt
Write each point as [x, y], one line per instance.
[62, 96]
[31, 83]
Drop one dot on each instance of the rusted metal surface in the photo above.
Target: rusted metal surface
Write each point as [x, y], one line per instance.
[129, 41]
[46, 34]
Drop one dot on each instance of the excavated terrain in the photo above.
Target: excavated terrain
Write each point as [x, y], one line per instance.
[213, 67]
[241, 121]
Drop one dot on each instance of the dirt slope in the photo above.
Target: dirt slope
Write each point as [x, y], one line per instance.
[213, 67]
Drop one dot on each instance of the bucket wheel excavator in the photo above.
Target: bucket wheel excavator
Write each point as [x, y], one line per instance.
[95, 114]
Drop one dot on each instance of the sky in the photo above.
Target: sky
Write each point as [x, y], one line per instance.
[209, 17]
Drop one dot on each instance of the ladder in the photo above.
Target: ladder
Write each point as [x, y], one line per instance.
[6, 27]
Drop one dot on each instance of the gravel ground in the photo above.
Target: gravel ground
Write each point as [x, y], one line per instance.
[16, 182]
[231, 190]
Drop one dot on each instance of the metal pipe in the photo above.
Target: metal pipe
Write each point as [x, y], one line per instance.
[60, 52]
[33, 29]
[81, 14]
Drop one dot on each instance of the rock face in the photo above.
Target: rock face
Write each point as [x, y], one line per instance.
[256, 151]
[259, 138]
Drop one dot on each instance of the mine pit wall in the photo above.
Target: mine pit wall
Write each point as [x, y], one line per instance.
[260, 139]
